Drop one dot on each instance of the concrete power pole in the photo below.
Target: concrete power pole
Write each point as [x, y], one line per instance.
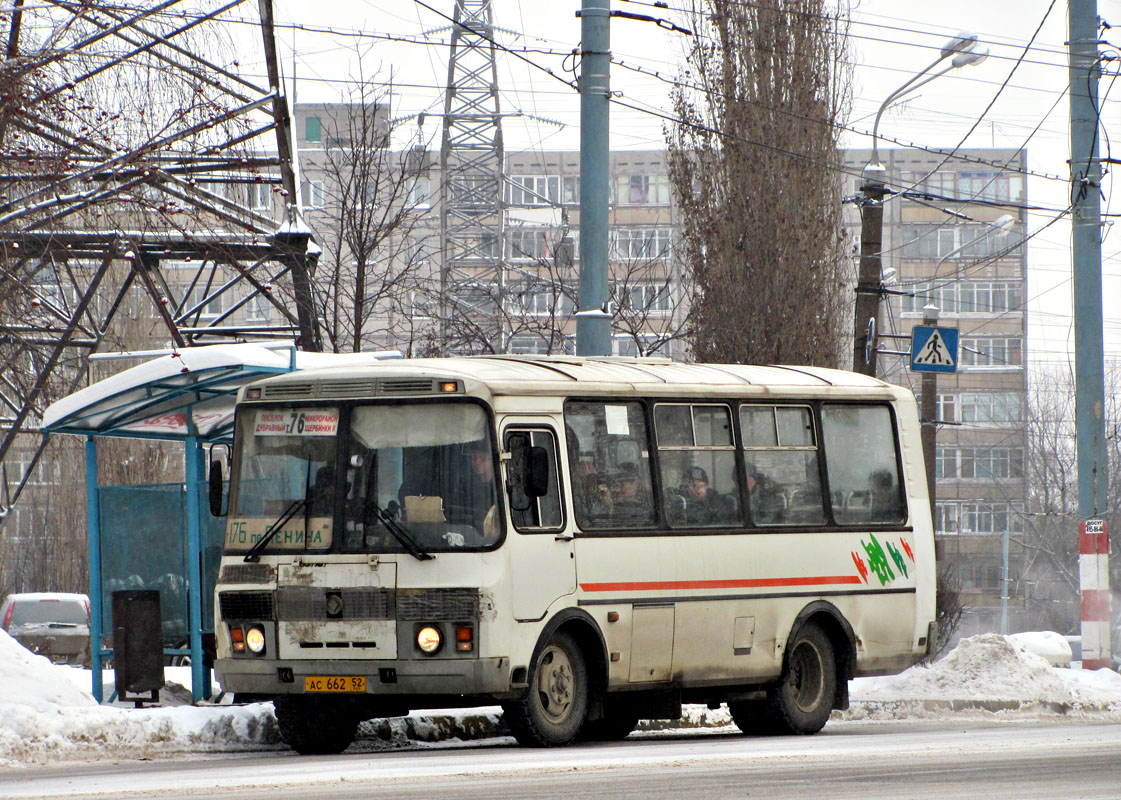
[1085, 187]
[593, 323]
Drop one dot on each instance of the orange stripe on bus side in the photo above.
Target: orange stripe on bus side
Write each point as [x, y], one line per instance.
[736, 583]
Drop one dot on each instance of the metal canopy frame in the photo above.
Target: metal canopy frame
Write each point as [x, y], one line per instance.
[119, 402]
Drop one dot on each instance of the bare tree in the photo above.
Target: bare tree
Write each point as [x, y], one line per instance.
[754, 162]
[1049, 575]
[374, 198]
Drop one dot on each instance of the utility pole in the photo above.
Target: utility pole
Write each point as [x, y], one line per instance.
[593, 322]
[1089, 351]
[869, 280]
[929, 435]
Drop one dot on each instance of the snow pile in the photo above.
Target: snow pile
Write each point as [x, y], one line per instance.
[996, 672]
[45, 716]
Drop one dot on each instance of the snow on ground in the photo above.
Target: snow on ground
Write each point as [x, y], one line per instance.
[47, 712]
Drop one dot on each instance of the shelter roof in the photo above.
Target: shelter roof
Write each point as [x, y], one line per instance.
[188, 392]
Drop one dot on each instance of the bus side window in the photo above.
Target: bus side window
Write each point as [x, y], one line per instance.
[870, 485]
[697, 458]
[609, 461]
[781, 460]
[534, 513]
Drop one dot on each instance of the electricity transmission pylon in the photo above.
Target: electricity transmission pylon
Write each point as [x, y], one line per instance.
[123, 128]
[472, 266]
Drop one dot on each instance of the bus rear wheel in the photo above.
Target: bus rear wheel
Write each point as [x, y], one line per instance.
[803, 699]
[554, 709]
[315, 725]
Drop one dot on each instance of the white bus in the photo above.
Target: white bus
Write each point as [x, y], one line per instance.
[583, 541]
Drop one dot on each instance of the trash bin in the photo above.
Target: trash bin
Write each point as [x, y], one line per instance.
[138, 643]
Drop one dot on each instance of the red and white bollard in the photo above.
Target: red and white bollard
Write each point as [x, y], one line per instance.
[1093, 573]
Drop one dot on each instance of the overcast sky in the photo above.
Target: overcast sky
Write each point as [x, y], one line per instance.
[891, 40]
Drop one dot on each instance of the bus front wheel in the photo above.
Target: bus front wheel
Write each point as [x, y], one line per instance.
[554, 709]
[315, 725]
[803, 699]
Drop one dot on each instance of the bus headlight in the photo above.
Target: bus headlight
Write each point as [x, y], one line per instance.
[255, 640]
[429, 640]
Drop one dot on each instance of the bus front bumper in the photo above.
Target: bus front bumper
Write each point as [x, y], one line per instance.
[488, 677]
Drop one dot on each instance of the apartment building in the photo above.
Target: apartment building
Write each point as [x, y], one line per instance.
[953, 240]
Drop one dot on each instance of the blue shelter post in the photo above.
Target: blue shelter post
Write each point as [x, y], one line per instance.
[93, 528]
[194, 474]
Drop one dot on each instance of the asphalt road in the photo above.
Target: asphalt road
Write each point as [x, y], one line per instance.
[1059, 759]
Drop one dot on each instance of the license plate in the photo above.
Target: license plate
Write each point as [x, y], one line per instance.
[334, 683]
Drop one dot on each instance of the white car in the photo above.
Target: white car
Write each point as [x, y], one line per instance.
[52, 624]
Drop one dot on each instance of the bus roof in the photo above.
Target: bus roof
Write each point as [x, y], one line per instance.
[567, 375]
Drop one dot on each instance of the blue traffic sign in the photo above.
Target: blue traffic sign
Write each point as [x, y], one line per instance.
[934, 349]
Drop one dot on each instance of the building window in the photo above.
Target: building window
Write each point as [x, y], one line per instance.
[643, 190]
[947, 408]
[533, 190]
[643, 243]
[643, 344]
[648, 297]
[991, 407]
[966, 297]
[979, 517]
[945, 463]
[529, 345]
[991, 518]
[208, 310]
[475, 246]
[571, 189]
[968, 241]
[529, 243]
[991, 352]
[313, 130]
[258, 309]
[311, 192]
[538, 300]
[420, 192]
[990, 463]
[946, 518]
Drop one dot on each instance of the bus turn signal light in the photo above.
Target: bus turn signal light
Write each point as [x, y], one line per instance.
[464, 638]
[237, 639]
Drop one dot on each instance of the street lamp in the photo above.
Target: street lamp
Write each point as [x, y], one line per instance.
[962, 51]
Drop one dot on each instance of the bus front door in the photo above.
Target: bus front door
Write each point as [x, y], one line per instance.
[543, 566]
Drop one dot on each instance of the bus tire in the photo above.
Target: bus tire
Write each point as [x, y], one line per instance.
[616, 724]
[554, 708]
[803, 699]
[752, 717]
[314, 725]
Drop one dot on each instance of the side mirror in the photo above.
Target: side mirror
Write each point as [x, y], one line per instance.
[528, 471]
[217, 489]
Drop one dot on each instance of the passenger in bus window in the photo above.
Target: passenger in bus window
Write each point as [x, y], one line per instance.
[629, 501]
[885, 497]
[703, 504]
[321, 495]
[484, 515]
[766, 503]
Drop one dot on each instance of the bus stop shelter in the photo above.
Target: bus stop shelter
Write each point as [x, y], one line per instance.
[186, 396]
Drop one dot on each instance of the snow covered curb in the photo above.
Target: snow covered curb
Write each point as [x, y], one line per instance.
[47, 713]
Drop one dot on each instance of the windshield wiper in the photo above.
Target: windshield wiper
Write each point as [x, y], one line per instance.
[254, 553]
[400, 534]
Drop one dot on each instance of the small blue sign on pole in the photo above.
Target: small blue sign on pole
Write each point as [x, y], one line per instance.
[934, 349]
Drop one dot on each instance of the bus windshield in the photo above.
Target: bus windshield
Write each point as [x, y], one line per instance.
[287, 475]
[415, 477]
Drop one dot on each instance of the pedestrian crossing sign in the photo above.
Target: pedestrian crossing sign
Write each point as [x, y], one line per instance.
[934, 349]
